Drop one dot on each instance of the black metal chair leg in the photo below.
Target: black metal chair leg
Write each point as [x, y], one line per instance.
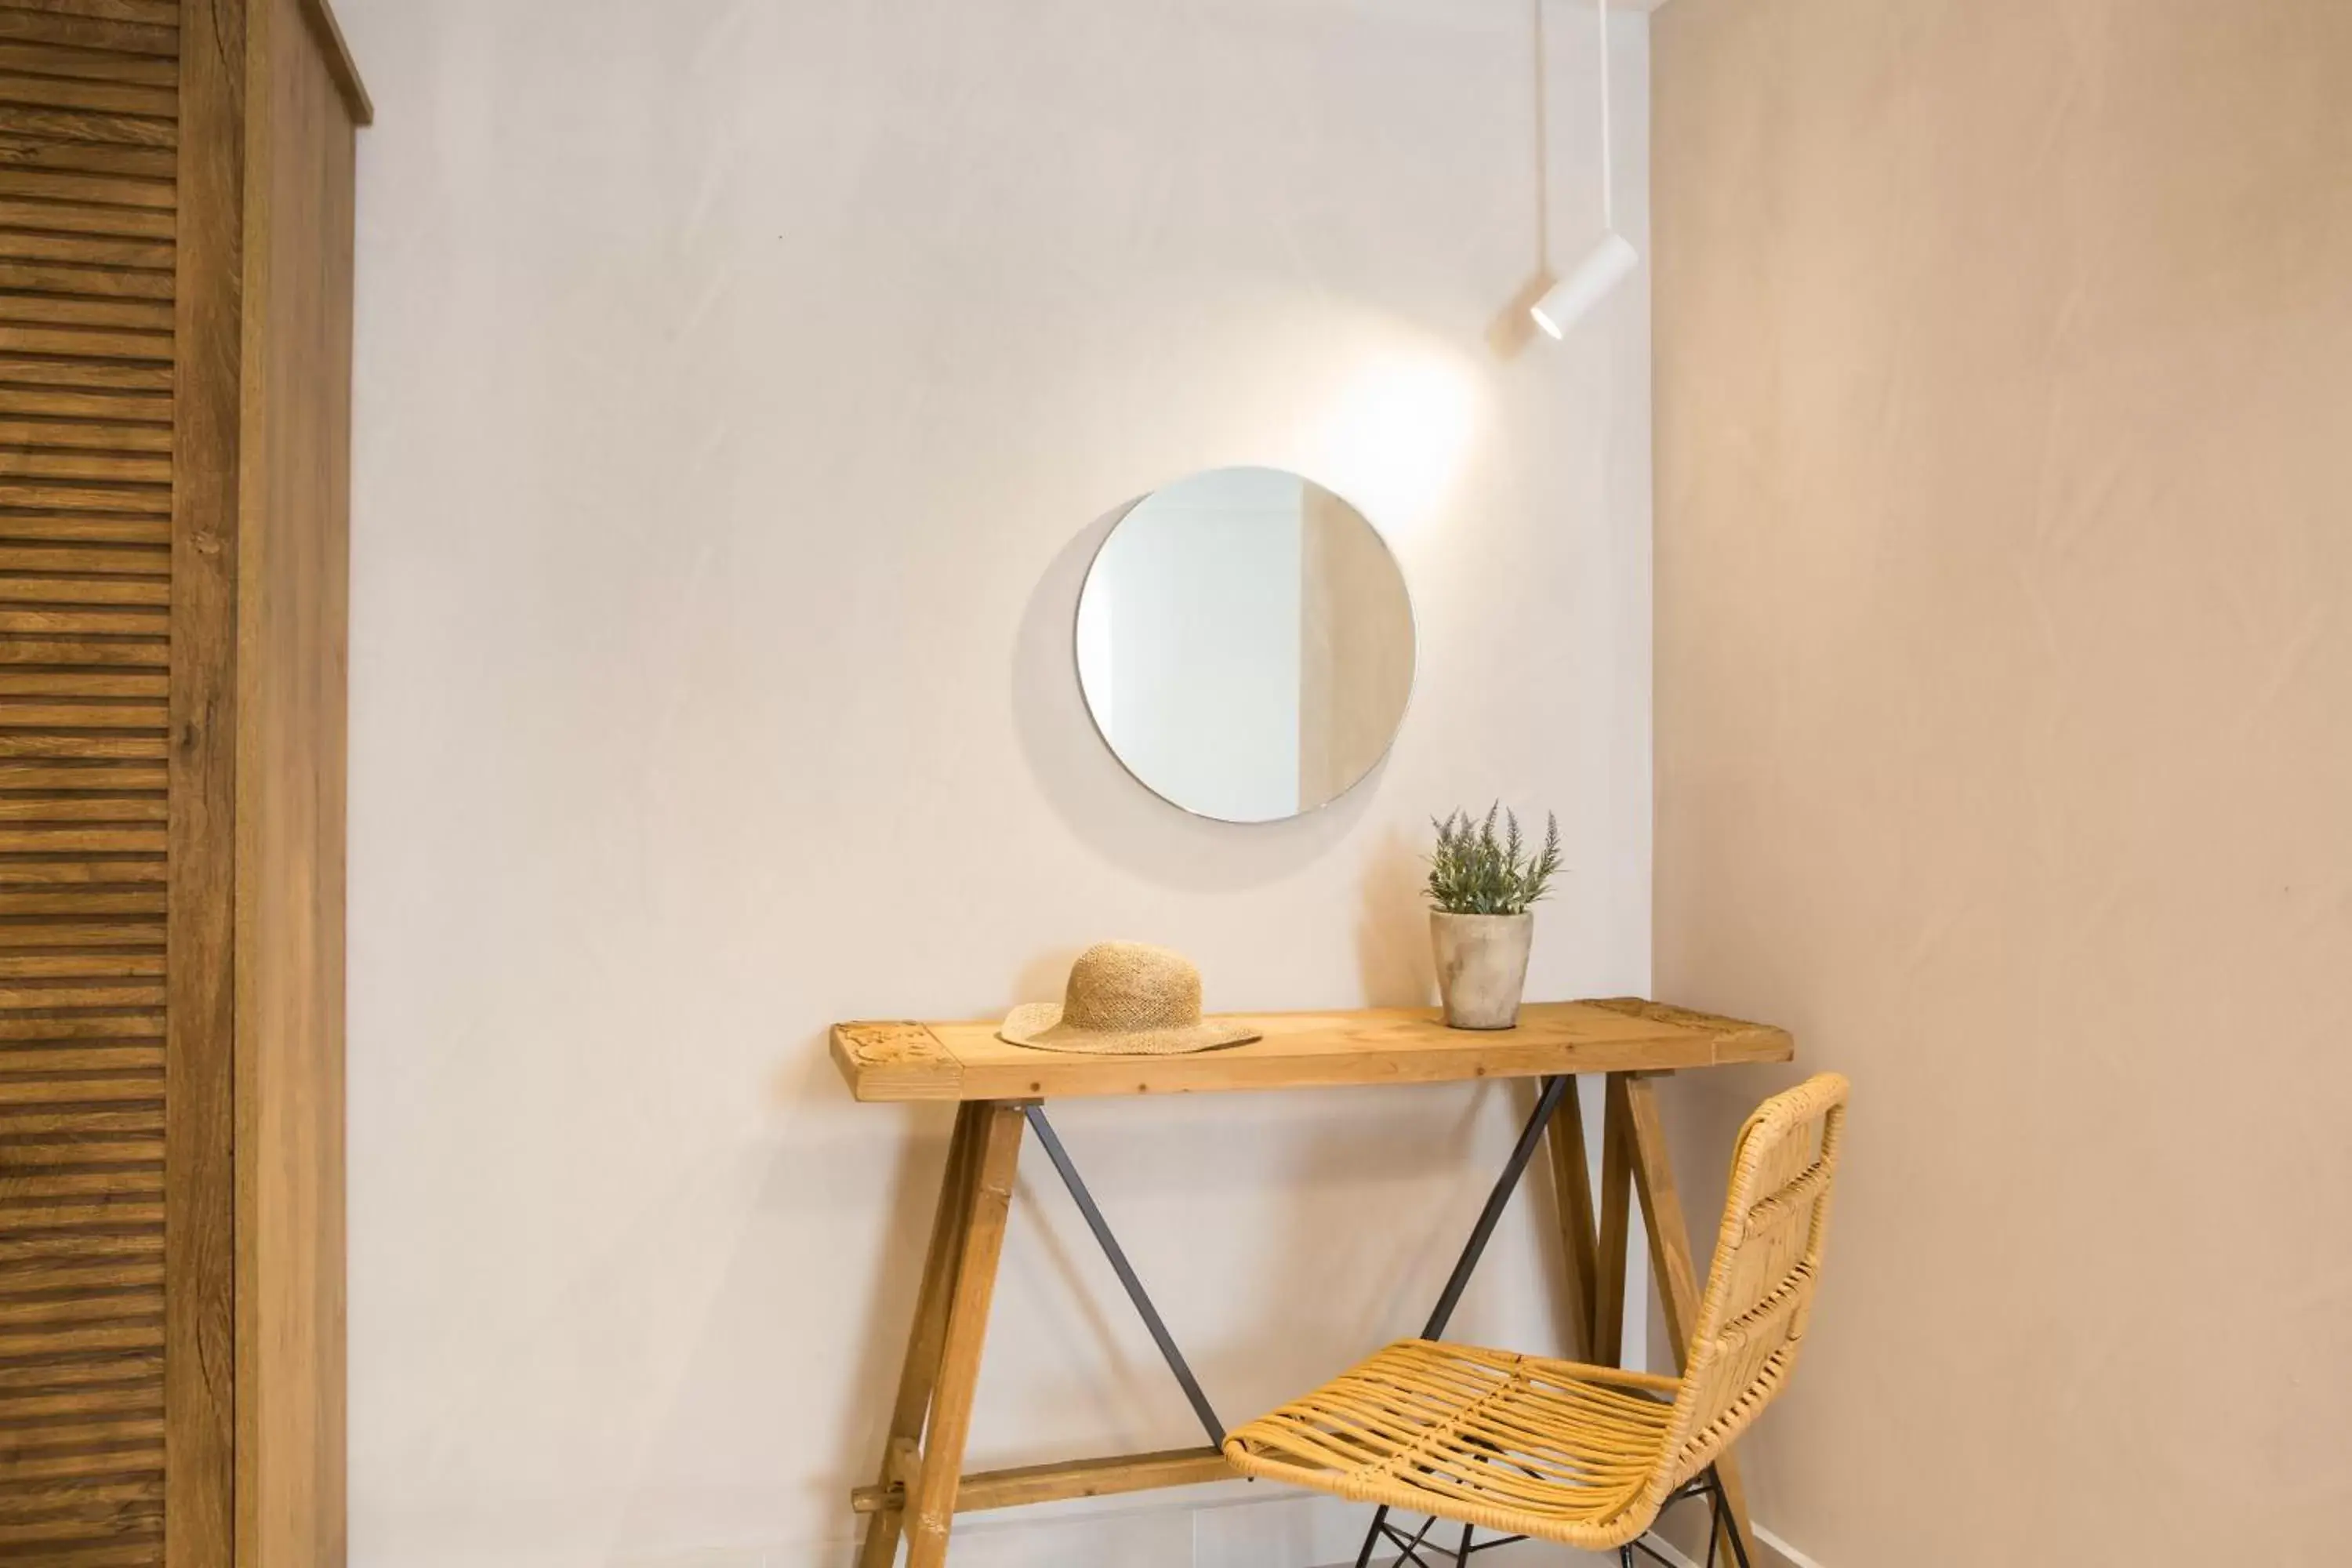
[1722, 1514]
[1364, 1557]
[1625, 1557]
[1462, 1557]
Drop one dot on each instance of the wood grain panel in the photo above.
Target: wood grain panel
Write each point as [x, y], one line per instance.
[98, 95]
[24, 245]
[964, 1061]
[161, 13]
[89, 65]
[65, 22]
[86, 350]
[200, 1266]
[292, 611]
[26, 151]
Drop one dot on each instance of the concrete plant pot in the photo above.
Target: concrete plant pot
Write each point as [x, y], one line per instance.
[1482, 966]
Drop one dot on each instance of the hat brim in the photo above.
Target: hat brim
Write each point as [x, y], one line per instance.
[1039, 1026]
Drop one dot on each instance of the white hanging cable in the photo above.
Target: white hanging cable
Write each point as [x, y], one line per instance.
[1612, 259]
[1608, 152]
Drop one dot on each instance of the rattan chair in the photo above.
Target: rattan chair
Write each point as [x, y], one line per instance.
[1587, 1456]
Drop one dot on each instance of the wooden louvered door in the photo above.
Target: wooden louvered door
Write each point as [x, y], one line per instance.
[176, 187]
[97, 1118]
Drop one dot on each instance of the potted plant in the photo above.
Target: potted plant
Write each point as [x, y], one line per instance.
[1482, 885]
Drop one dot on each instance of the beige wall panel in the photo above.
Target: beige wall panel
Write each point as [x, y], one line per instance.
[2004, 653]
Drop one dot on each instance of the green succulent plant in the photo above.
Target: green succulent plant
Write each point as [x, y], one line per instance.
[1479, 870]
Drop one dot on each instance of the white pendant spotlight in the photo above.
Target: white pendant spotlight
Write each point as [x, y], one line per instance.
[1613, 259]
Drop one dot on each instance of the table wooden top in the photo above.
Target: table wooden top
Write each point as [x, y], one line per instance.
[898, 1061]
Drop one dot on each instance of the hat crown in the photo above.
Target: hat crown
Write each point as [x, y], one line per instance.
[1122, 987]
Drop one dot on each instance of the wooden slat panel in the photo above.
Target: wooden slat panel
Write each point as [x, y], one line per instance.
[80, 218]
[89, 169]
[156, 13]
[142, 1390]
[20, 1538]
[83, 839]
[102, 467]
[50, 713]
[28, 370]
[126, 37]
[50, 1059]
[105, 467]
[88, 1026]
[52, 311]
[27, 1199]
[17, 681]
[31, 527]
[42, 1465]
[95, 1377]
[83, 589]
[142, 1555]
[80, 903]
[69, 126]
[18, 151]
[70, 1090]
[48, 623]
[42, 90]
[86, 435]
[126, 408]
[27, 1248]
[29, 1313]
[135, 1335]
[129, 1494]
[95, 190]
[87, 251]
[64, 342]
[25, 1154]
[118, 811]
[106, 282]
[23, 937]
[90, 64]
[42, 776]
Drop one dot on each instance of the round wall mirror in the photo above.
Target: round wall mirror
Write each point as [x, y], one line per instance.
[1246, 643]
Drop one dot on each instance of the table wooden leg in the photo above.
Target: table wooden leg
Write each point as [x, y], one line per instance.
[921, 1367]
[1572, 1192]
[1677, 1275]
[1616, 1228]
[931, 1490]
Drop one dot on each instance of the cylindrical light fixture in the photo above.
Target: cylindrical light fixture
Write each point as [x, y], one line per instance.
[1607, 264]
[1613, 257]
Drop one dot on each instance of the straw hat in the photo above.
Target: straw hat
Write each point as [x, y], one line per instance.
[1125, 999]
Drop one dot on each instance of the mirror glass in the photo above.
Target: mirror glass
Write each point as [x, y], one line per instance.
[1246, 643]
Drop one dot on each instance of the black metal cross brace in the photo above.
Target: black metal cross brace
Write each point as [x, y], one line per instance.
[1126, 1272]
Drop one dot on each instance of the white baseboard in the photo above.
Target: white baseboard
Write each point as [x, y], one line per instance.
[1796, 1558]
[1249, 1527]
[1787, 1554]
[1230, 1525]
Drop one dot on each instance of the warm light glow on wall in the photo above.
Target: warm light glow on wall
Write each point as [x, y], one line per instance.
[1394, 438]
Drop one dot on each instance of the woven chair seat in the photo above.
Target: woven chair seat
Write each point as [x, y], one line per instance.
[1585, 1455]
[1513, 1443]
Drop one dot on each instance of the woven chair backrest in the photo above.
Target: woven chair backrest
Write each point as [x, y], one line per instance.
[1759, 1290]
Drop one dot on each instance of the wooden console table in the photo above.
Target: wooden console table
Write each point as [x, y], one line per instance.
[999, 1090]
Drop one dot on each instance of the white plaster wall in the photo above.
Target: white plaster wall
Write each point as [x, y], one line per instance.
[740, 387]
